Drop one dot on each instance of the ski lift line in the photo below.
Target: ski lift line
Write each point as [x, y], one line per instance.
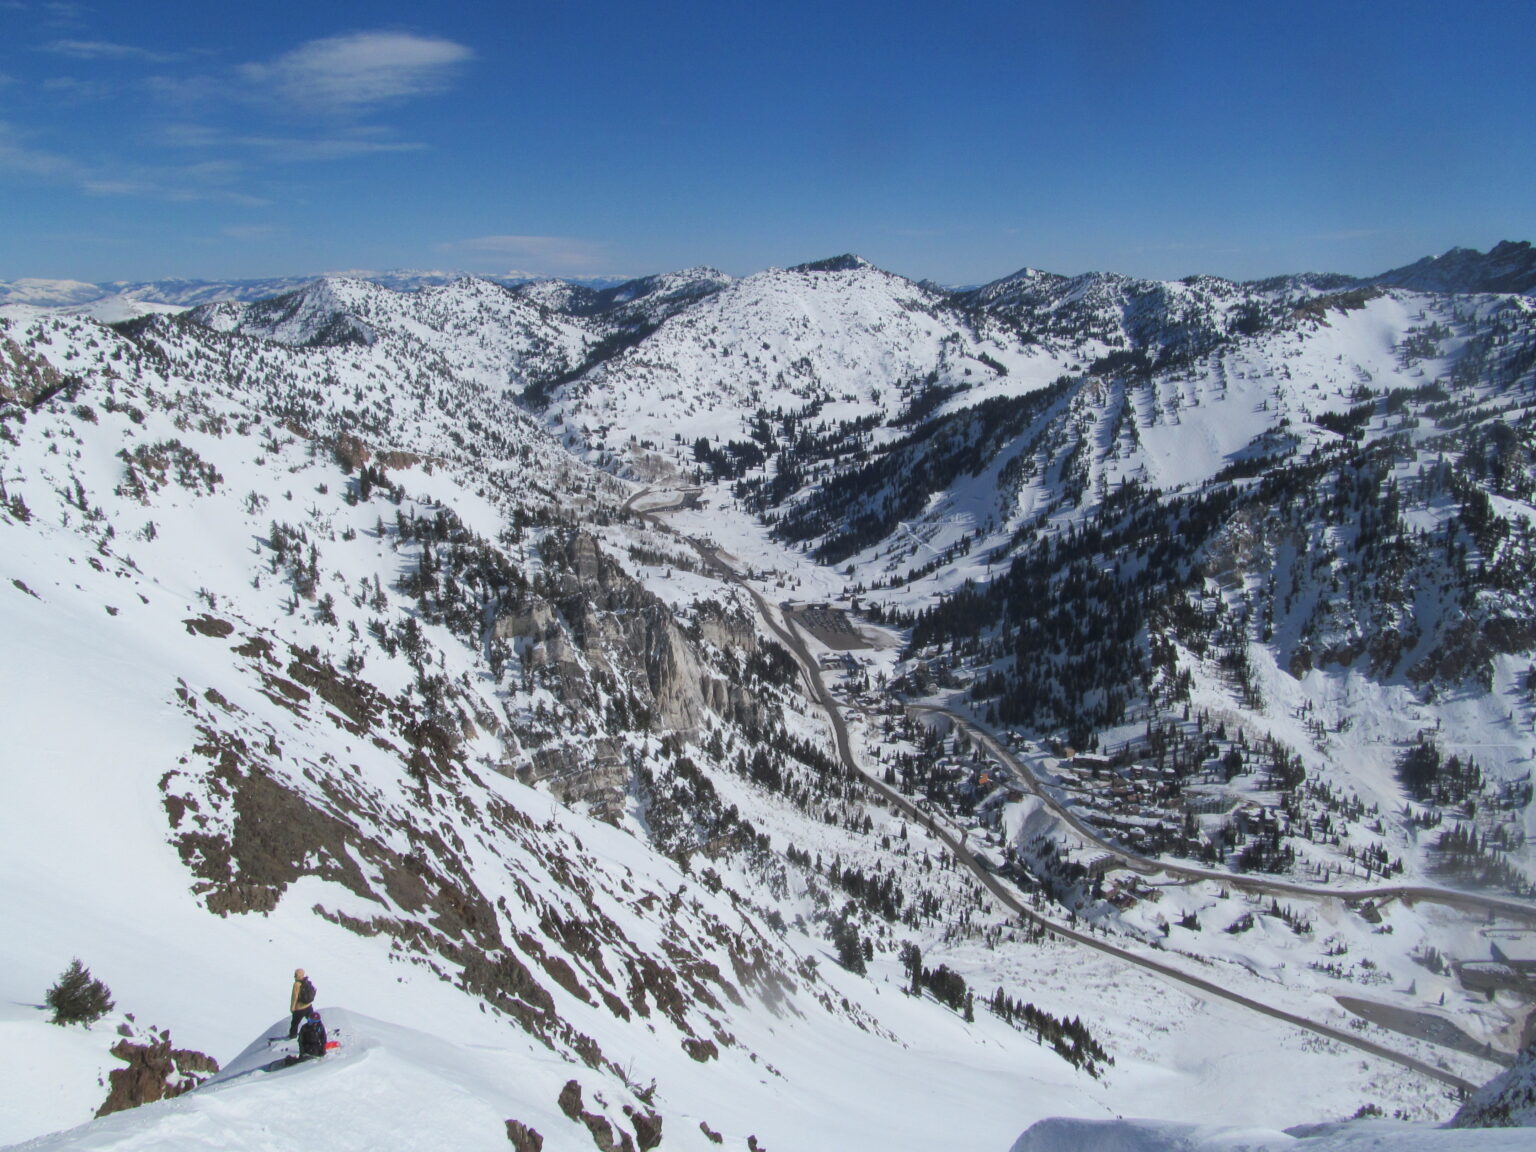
[1010, 901]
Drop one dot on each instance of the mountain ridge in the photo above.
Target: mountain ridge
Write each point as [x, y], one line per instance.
[436, 640]
[1509, 266]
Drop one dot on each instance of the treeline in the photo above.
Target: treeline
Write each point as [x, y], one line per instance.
[1074, 609]
[948, 986]
[1090, 619]
[1071, 1039]
[800, 449]
[1469, 858]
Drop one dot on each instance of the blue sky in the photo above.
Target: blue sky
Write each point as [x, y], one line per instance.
[956, 141]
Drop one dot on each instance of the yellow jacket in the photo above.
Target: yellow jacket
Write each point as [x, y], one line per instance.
[294, 1004]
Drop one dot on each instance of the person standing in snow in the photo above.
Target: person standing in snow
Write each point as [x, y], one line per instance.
[300, 1001]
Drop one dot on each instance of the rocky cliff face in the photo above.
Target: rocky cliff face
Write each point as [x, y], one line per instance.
[596, 633]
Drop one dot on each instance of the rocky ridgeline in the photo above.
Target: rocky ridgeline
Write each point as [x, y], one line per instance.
[443, 601]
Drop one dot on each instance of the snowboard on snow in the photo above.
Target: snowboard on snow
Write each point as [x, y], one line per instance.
[288, 1048]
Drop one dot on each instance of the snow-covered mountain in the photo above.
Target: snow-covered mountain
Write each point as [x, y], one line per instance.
[1509, 266]
[183, 293]
[328, 645]
[1321, 531]
[644, 302]
[339, 698]
[837, 349]
[324, 683]
[1147, 319]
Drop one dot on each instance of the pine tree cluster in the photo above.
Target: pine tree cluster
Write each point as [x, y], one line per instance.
[1070, 1038]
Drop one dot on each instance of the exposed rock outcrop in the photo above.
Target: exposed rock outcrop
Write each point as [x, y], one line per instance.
[155, 1071]
[602, 641]
[524, 1138]
[605, 1135]
[25, 379]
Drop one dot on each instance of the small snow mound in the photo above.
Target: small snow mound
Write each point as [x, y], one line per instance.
[1065, 1134]
[1028, 819]
[269, 1051]
[389, 1088]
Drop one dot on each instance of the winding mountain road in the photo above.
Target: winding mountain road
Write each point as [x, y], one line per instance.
[1004, 895]
[1243, 882]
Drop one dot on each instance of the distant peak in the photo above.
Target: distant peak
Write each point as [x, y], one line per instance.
[847, 262]
[1030, 276]
[1503, 249]
[1509, 266]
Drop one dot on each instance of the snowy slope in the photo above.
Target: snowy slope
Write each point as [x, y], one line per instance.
[836, 342]
[469, 328]
[1101, 313]
[322, 652]
[1061, 1135]
[1507, 1101]
[1352, 658]
[644, 301]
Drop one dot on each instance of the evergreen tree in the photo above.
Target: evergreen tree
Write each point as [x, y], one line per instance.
[78, 997]
[850, 949]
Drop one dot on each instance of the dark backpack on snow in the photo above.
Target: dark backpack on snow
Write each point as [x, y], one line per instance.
[312, 1037]
[306, 991]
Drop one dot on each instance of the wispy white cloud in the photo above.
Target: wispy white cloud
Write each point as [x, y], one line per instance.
[75, 90]
[208, 181]
[162, 184]
[342, 145]
[17, 156]
[543, 255]
[106, 50]
[57, 14]
[252, 231]
[344, 75]
[320, 102]
[284, 149]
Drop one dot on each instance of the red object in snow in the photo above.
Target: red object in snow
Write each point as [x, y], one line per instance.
[329, 1044]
